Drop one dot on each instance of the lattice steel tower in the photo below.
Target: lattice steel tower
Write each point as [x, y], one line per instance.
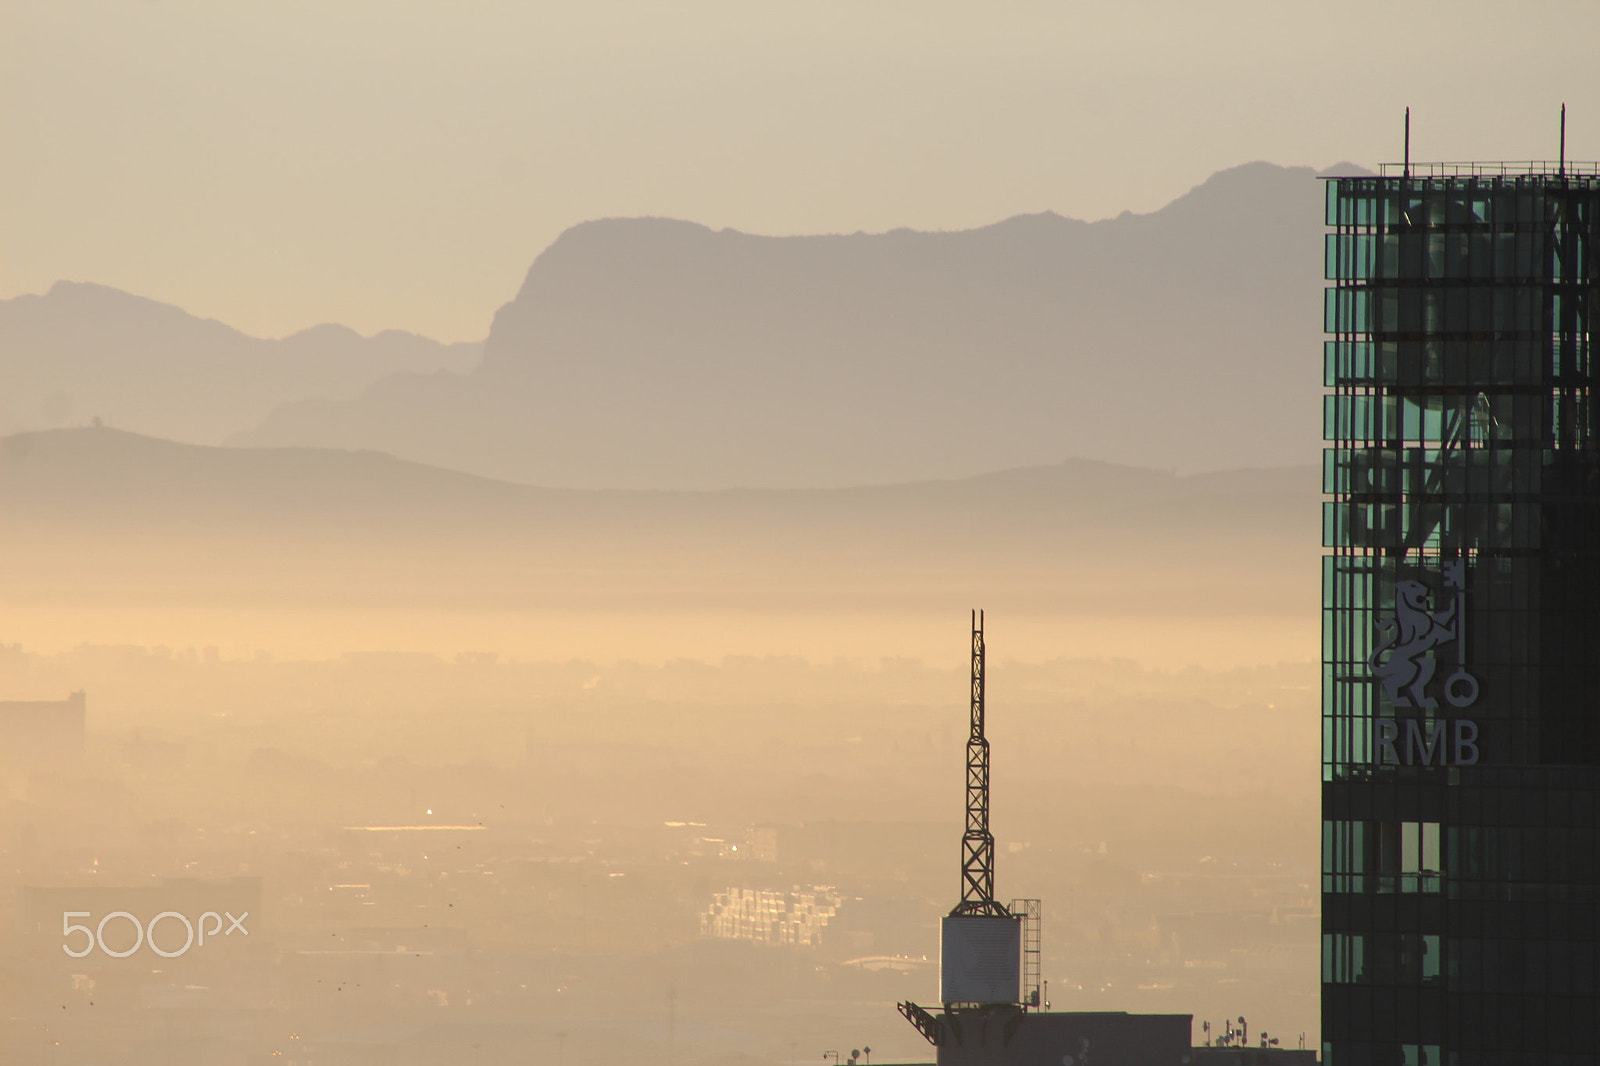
[977, 843]
[982, 954]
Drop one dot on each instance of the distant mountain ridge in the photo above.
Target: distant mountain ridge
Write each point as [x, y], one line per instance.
[91, 474]
[83, 351]
[654, 353]
[98, 509]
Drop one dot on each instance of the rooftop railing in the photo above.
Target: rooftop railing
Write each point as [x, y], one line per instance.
[1542, 168]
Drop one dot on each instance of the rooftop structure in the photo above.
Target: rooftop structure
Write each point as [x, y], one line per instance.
[989, 957]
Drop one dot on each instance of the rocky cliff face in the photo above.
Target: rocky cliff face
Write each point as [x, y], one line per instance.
[649, 353]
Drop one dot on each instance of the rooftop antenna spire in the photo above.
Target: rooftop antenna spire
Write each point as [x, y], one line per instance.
[1408, 142]
[1563, 165]
[977, 843]
[982, 960]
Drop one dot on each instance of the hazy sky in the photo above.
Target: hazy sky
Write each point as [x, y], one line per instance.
[398, 165]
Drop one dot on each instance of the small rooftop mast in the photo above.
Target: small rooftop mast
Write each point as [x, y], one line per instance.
[1562, 166]
[1407, 172]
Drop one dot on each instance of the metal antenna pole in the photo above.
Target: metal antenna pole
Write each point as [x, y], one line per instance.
[977, 843]
[1408, 144]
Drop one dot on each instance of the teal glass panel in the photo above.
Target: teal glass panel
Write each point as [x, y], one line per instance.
[1362, 418]
[1334, 529]
[1343, 958]
[1335, 470]
[1350, 362]
[1347, 311]
[1354, 256]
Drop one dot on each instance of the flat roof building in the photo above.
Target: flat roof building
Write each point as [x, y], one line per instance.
[1461, 617]
[41, 734]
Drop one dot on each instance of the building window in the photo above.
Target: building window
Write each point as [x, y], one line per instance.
[1381, 857]
[1343, 958]
[1420, 1055]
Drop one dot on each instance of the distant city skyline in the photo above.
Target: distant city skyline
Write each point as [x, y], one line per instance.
[399, 166]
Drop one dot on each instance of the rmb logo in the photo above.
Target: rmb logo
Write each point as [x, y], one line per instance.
[1410, 637]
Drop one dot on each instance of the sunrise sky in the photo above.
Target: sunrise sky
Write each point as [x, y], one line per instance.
[399, 165]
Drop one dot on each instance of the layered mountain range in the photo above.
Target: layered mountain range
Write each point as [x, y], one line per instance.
[651, 353]
[83, 352]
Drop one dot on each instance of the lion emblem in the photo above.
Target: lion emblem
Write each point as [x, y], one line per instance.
[1409, 638]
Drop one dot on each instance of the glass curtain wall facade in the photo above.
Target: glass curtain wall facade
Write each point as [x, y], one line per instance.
[1461, 620]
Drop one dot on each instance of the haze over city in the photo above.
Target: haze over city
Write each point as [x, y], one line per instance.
[508, 483]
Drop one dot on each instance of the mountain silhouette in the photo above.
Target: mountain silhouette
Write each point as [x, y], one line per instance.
[652, 353]
[82, 351]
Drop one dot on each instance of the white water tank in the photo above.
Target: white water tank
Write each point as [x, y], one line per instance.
[980, 959]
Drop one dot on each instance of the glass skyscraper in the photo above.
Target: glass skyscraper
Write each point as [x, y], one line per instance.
[1461, 618]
